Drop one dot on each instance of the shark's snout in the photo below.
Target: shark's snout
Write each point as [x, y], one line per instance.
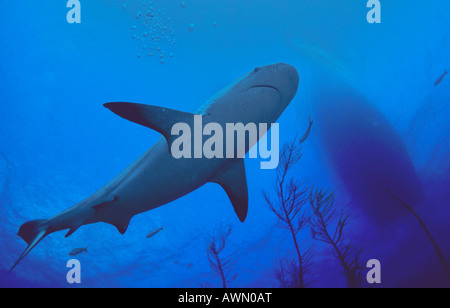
[284, 78]
[279, 80]
[289, 77]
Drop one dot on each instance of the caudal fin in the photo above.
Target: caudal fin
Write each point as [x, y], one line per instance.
[31, 232]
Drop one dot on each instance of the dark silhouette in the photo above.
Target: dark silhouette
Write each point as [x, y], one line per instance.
[154, 232]
[220, 264]
[365, 150]
[324, 213]
[440, 79]
[78, 251]
[291, 196]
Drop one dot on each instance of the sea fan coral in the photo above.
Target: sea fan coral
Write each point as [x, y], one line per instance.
[324, 213]
[220, 264]
[291, 197]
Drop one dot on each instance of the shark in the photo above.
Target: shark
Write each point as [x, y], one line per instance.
[361, 146]
[157, 178]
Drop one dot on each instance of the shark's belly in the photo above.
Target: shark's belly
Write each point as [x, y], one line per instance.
[158, 178]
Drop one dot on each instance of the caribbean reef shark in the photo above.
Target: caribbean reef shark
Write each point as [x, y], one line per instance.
[157, 178]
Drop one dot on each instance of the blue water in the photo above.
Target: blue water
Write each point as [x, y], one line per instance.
[58, 144]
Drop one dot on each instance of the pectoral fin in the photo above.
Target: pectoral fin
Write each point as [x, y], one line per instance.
[157, 118]
[234, 181]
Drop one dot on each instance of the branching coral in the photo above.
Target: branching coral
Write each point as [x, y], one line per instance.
[291, 196]
[324, 213]
[220, 264]
[287, 272]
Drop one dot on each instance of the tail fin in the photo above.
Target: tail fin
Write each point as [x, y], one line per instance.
[31, 232]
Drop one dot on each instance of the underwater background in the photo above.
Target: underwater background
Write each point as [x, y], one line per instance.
[59, 144]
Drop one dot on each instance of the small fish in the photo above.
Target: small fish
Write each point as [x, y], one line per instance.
[308, 131]
[78, 251]
[441, 78]
[154, 232]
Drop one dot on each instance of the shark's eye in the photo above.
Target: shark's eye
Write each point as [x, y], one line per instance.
[257, 69]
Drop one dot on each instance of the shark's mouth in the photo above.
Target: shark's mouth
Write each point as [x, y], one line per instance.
[269, 87]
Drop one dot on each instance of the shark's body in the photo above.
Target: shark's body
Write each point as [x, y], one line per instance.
[158, 178]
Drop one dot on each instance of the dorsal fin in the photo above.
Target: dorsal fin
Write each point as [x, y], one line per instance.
[157, 118]
[234, 181]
